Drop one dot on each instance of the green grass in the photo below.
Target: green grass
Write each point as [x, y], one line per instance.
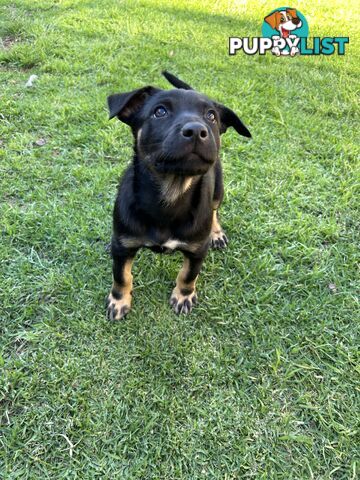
[262, 379]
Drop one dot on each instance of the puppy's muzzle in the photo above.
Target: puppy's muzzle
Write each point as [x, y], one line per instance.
[296, 21]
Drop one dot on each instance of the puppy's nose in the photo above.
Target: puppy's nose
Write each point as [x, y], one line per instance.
[194, 130]
[296, 21]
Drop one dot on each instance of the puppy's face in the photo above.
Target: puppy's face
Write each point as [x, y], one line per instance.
[176, 131]
[179, 132]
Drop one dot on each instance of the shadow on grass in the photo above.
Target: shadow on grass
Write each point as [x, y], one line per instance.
[187, 15]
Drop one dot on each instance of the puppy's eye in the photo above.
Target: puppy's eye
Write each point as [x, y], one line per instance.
[211, 116]
[282, 20]
[160, 112]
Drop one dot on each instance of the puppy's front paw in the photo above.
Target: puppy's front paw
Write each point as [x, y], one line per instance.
[182, 302]
[117, 308]
[218, 239]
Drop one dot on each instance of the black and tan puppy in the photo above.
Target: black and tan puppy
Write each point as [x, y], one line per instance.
[168, 197]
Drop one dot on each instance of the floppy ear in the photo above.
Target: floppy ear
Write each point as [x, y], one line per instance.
[228, 118]
[176, 81]
[272, 20]
[126, 105]
[292, 12]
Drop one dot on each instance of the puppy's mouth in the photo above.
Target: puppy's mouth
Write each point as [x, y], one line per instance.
[178, 155]
[189, 165]
[195, 156]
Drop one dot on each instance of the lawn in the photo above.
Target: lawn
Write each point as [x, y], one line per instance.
[261, 380]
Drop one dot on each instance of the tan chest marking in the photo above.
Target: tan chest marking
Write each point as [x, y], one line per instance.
[173, 187]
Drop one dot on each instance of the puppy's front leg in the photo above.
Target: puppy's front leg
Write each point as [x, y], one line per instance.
[184, 296]
[118, 302]
[217, 236]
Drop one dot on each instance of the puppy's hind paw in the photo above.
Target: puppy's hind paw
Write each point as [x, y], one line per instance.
[182, 302]
[218, 240]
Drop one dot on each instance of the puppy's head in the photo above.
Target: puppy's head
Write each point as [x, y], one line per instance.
[176, 131]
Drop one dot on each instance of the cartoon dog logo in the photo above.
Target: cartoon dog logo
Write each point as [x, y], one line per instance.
[285, 22]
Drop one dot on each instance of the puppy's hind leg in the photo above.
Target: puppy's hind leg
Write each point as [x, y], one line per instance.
[218, 239]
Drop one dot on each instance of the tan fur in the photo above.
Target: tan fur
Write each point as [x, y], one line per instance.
[123, 305]
[216, 204]
[192, 247]
[180, 279]
[172, 243]
[172, 187]
[215, 227]
[217, 236]
[130, 242]
[177, 298]
[139, 135]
